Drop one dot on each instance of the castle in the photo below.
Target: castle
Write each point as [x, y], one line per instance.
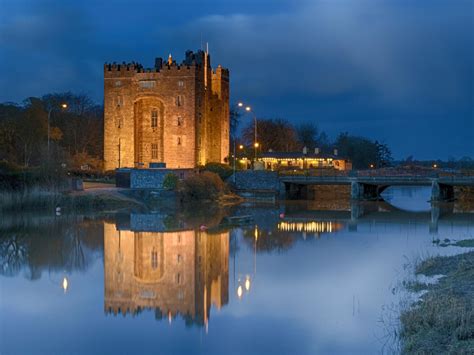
[176, 114]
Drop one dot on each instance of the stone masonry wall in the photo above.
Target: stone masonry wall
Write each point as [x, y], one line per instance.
[192, 108]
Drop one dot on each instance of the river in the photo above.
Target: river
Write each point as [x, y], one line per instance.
[296, 277]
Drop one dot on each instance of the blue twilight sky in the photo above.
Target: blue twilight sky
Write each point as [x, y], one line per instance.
[400, 71]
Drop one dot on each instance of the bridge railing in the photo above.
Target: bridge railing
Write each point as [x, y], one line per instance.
[455, 180]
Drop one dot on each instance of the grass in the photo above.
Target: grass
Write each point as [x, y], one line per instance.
[45, 199]
[443, 320]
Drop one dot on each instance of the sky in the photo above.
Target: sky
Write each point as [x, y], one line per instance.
[400, 71]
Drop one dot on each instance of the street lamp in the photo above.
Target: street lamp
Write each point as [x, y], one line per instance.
[63, 106]
[249, 109]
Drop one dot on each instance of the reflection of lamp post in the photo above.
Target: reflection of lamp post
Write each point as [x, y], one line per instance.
[65, 284]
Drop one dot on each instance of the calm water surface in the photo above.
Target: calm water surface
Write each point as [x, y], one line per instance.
[310, 277]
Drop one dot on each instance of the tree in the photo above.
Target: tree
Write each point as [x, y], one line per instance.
[362, 151]
[275, 134]
[307, 133]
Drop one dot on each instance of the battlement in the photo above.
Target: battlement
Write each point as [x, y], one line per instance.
[196, 60]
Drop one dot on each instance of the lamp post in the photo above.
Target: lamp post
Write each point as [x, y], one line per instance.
[249, 109]
[51, 108]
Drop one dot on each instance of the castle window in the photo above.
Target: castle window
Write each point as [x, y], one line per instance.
[178, 278]
[154, 259]
[154, 118]
[179, 141]
[181, 83]
[178, 258]
[180, 121]
[179, 100]
[154, 151]
[147, 84]
[119, 101]
[118, 83]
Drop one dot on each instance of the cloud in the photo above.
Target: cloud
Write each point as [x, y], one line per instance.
[366, 66]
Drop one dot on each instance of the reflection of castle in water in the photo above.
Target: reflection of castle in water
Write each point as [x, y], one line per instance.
[181, 272]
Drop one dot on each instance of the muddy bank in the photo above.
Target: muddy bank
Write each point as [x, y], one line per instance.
[442, 321]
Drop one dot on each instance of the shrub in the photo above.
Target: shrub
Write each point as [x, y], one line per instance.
[223, 170]
[204, 186]
[170, 182]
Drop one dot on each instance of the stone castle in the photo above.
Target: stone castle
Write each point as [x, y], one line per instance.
[177, 114]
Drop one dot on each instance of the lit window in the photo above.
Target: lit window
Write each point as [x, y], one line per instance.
[154, 118]
[181, 83]
[154, 259]
[154, 151]
[147, 84]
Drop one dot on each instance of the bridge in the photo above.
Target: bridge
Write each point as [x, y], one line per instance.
[370, 187]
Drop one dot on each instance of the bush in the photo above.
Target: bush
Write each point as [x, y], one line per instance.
[223, 170]
[170, 182]
[204, 186]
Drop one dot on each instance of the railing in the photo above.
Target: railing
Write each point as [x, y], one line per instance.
[457, 180]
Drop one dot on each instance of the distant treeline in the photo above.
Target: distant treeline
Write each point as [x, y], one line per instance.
[281, 135]
[73, 125]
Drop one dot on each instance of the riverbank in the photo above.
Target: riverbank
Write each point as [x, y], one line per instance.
[101, 197]
[442, 321]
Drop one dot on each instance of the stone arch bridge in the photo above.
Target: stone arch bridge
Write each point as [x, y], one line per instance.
[370, 187]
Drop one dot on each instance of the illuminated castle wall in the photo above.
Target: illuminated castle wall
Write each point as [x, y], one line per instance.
[173, 273]
[173, 113]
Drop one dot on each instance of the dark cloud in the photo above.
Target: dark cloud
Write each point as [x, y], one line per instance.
[398, 70]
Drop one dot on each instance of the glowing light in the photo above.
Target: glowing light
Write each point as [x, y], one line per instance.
[241, 146]
[435, 166]
[247, 284]
[312, 227]
[248, 109]
[256, 144]
[371, 166]
[169, 317]
[255, 233]
[64, 105]
[239, 291]
[240, 104]
[65, 284]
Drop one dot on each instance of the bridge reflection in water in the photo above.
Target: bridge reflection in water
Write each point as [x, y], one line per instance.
[171, 272]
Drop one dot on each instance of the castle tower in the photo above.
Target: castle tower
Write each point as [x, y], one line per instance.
[176, 114]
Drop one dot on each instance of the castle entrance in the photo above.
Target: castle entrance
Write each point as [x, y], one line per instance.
[148, 131]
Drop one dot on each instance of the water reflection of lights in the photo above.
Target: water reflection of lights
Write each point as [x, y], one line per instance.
[313, 226]
[65, 284]
[243, 285]
[247, 284]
